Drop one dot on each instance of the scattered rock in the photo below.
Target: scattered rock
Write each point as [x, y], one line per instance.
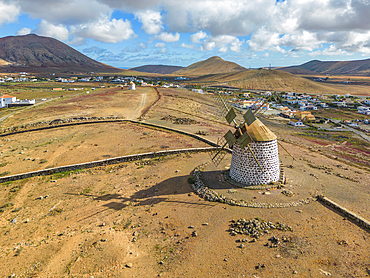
[129, 265]
[325, 272]
[103, 240]
[179, 121]
[255, 227]
[194, 234]
[205, 224]
[191, 227]
[295, 272]
[259, 266]
[287, 193]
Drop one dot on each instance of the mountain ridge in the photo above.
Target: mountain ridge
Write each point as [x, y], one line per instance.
[353, 67]
[33, 53]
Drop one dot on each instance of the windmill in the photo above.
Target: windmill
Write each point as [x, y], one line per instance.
[255, 157]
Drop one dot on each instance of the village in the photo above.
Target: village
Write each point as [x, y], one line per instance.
[295, 109]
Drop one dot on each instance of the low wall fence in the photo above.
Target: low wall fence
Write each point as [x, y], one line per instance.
[104, 162]
[195, 136]
[358, 220]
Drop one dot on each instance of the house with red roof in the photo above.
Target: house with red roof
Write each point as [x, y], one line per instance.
[6, 99]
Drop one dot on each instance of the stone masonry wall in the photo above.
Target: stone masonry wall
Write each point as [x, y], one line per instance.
[104, 162]
[244, 168]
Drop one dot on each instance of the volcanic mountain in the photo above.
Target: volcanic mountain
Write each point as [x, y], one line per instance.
[263, 79]
[356, 67]
[37, 54]
[213, 65]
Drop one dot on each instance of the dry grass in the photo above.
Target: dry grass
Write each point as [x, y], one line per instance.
[63, 233]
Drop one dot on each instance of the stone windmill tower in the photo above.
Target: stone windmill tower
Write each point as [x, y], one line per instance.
[255, 156]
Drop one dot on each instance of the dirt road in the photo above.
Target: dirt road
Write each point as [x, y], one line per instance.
[137, 113]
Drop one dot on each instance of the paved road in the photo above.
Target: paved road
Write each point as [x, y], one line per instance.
[360, 133]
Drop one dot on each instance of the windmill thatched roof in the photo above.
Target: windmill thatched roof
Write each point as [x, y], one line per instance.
[259, 132]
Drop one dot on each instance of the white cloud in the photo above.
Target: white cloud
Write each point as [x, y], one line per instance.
[160, 44]
[223, 43]
[65, 12]
[236, 45]
[168, 37]
[197, 37]
[299, 25]
[137, 47]
[8, 12]
[188, 46]
[223, 49]
[24, 31]
[59, 32]
[208, 46]
[161, 51]
[151, 20]
[331, 51]
[105, 30]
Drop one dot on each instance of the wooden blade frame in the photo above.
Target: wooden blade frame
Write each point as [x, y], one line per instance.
[218, 155]
[244, 140]
[230, 138]
[249, 117]
[230, 116]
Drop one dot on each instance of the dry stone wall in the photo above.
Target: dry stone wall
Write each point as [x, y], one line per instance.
[245, 169]
[103, 162]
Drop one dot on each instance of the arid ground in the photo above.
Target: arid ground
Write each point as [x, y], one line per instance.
[142, 218]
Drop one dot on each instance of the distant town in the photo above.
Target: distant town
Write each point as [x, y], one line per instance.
[296, 107]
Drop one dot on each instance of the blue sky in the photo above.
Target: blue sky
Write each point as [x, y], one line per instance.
[126, 33]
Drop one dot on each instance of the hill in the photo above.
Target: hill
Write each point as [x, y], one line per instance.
[357, 67]
[161, 69]
[213, 65]
[263, 79]
[37, 54]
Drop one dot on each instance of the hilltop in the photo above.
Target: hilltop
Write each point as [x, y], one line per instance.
[160, 69]
[213, 65]
[263, 79]
[356, 67]
[39, 54]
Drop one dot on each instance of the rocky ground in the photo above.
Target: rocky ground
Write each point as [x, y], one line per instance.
[144, 219]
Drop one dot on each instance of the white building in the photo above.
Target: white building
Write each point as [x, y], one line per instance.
[199, 91]
[295, 122]
[6, 99]
[363, 110]
[132, 86]
[25, 101]
[244, 168]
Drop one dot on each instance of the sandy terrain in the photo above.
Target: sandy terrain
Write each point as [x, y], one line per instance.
[137, 219]
[100, 103]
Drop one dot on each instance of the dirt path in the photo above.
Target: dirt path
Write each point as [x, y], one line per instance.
[137, 113]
